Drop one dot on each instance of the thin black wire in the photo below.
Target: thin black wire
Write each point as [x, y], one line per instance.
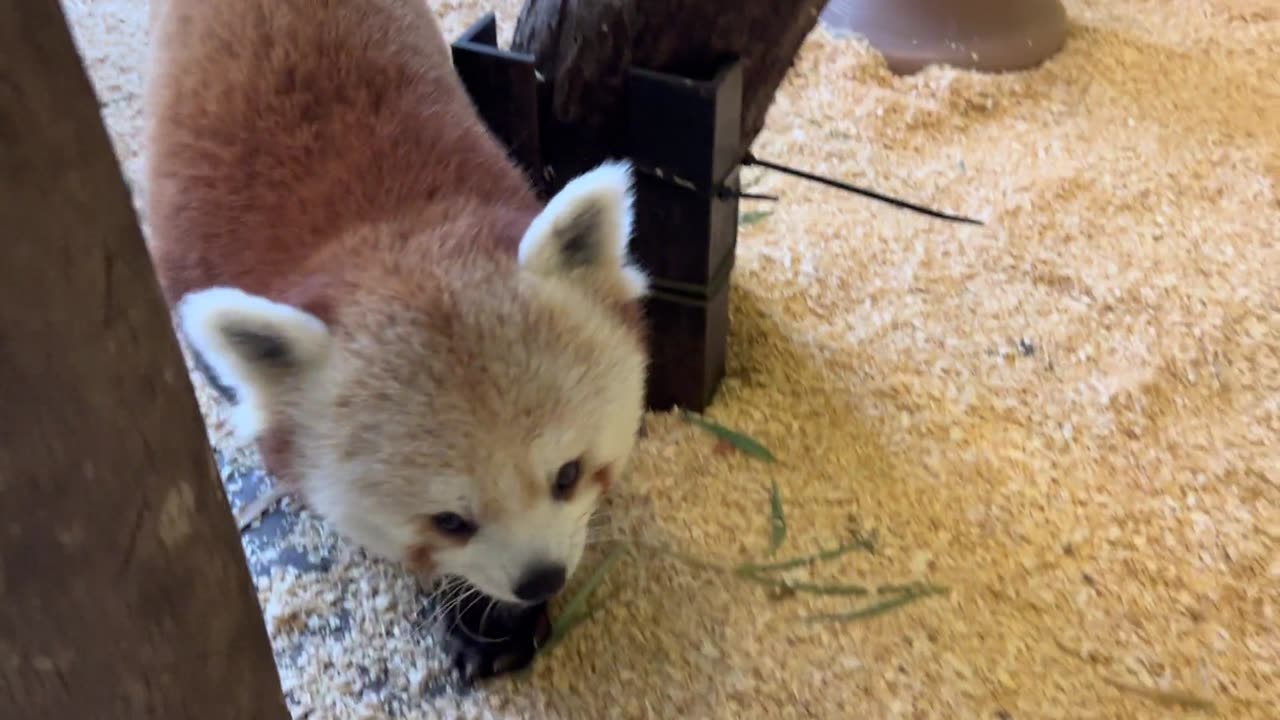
[726, 192]
[750, 159]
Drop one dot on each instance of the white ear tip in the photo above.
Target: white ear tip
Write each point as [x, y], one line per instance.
[612, 179]
[636, 282]
[618, 170]
[217, 320]
[612, 176]
[613, 183]
[199, 308]
[202, 307]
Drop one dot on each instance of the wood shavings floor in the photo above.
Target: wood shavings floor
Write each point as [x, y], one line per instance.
[1069, 416]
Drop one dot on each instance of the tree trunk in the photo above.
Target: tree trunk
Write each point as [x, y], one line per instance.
[585, 48]
[123, 587]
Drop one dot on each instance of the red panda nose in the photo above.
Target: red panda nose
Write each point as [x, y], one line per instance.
[540, 582]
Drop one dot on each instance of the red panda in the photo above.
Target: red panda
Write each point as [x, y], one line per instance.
[445, 368]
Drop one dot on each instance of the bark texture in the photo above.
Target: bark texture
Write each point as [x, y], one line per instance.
[123, 587]
[585, 47]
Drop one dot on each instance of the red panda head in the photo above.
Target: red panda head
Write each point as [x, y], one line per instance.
[458, 409]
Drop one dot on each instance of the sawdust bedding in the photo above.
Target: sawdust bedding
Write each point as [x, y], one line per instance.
[1069, 416]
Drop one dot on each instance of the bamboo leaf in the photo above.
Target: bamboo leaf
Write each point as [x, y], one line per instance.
[1176, 698]
[799, 586]
[751, 217]
[877, 609]
[859, 543]
[777, 520]
[569, 623]
[912, 587]
[568, 617]
[740, 442]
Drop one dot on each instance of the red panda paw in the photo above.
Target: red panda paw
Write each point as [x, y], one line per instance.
[486, 641]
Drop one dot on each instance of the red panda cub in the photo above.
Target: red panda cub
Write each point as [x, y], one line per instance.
[445, 368]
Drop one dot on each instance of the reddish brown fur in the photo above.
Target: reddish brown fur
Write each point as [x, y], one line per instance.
[420, 561]
[287, 123]
[604, 478]
[323, 154]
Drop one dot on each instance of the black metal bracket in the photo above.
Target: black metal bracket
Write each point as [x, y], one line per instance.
[681, 135]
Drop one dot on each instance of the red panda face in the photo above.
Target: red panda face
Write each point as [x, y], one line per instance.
[462, 415]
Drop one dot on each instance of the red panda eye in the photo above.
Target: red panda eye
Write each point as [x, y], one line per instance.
[566, 480]
[453, 524]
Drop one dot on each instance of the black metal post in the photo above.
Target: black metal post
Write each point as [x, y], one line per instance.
[682, 135]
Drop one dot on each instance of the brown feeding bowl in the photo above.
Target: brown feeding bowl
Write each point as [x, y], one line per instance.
[986, 35]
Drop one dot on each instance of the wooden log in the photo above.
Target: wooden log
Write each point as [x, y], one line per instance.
[586, 47]
[124, 592]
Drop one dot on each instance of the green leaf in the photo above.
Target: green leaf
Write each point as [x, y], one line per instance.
[797, 586]
[740, 442]
[1176, 698]
[777, 521]
[751, 217]
[568, 623]
[569, 616]
[913, 587]
[878, 609]
[858, 543]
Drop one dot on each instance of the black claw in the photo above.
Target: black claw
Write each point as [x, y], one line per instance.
[486, 640]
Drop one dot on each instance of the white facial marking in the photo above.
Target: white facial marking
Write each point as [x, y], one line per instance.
[551, 531]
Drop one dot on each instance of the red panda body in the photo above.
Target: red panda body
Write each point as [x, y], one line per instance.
[291, 121]
[444, 367]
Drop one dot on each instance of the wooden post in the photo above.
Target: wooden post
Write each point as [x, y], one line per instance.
[124, 592]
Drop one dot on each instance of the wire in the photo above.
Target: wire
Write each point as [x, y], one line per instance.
[750, 159]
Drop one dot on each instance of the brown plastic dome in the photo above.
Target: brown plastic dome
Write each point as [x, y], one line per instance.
[985, 35]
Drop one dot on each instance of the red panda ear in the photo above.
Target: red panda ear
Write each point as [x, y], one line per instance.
[260, 348]
[583, 234]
